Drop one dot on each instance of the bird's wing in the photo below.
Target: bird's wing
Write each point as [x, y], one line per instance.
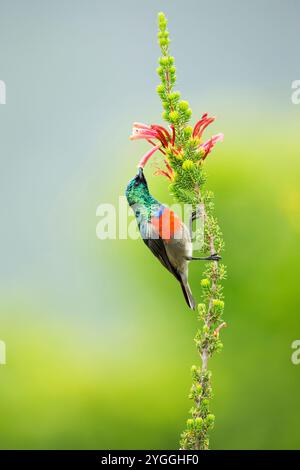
[156, 244]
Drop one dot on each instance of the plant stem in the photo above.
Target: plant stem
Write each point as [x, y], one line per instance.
[186, 157]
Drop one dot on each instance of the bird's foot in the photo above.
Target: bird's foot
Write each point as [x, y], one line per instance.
[214, 257]
[196, 213]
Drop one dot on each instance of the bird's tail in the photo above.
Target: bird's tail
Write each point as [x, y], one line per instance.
[187, 294]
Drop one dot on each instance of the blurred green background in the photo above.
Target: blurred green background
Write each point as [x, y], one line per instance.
[99, 340]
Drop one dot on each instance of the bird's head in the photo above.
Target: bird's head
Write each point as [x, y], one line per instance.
[137, 188]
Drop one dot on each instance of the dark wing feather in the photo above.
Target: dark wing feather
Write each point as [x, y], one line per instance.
[157, 246]
[158, 249]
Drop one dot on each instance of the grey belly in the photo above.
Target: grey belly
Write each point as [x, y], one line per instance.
[178, 249]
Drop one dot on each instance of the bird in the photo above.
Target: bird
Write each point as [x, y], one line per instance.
[163, 232]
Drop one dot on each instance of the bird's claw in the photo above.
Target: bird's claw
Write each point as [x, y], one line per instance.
[196, 213]
[214, 257]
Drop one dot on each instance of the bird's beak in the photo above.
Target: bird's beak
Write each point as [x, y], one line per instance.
[141, 176]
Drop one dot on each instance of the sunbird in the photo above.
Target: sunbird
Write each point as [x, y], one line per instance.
[164, 233]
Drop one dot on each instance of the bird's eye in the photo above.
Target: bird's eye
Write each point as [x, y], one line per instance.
[136, 184]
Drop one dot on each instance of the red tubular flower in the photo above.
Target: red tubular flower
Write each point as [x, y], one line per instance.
[209, 144]
[202, 125]
[167, 138]
[168, 172]
[155, 132]
[143, 131]
[161, 172]
[198, 132]
[148, 155]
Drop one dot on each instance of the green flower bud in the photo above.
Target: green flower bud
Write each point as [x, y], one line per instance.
[188, 131]
[188, 113]
[171, 60]
[196, 375]
[172, 70]
[199, 423]
[201, 310]
[205, 403]
[165, 116]
[163, 34]
[174, 96]
[209, 420]
[173, 116]
[218, 303]
[178, 156]
[160, 89]
[161, 17]
[183, 105]
[164, 42]
[160, 71]
[162, 23]
[188, 165]
[205, 283]
[190, 424]
[163, 60]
